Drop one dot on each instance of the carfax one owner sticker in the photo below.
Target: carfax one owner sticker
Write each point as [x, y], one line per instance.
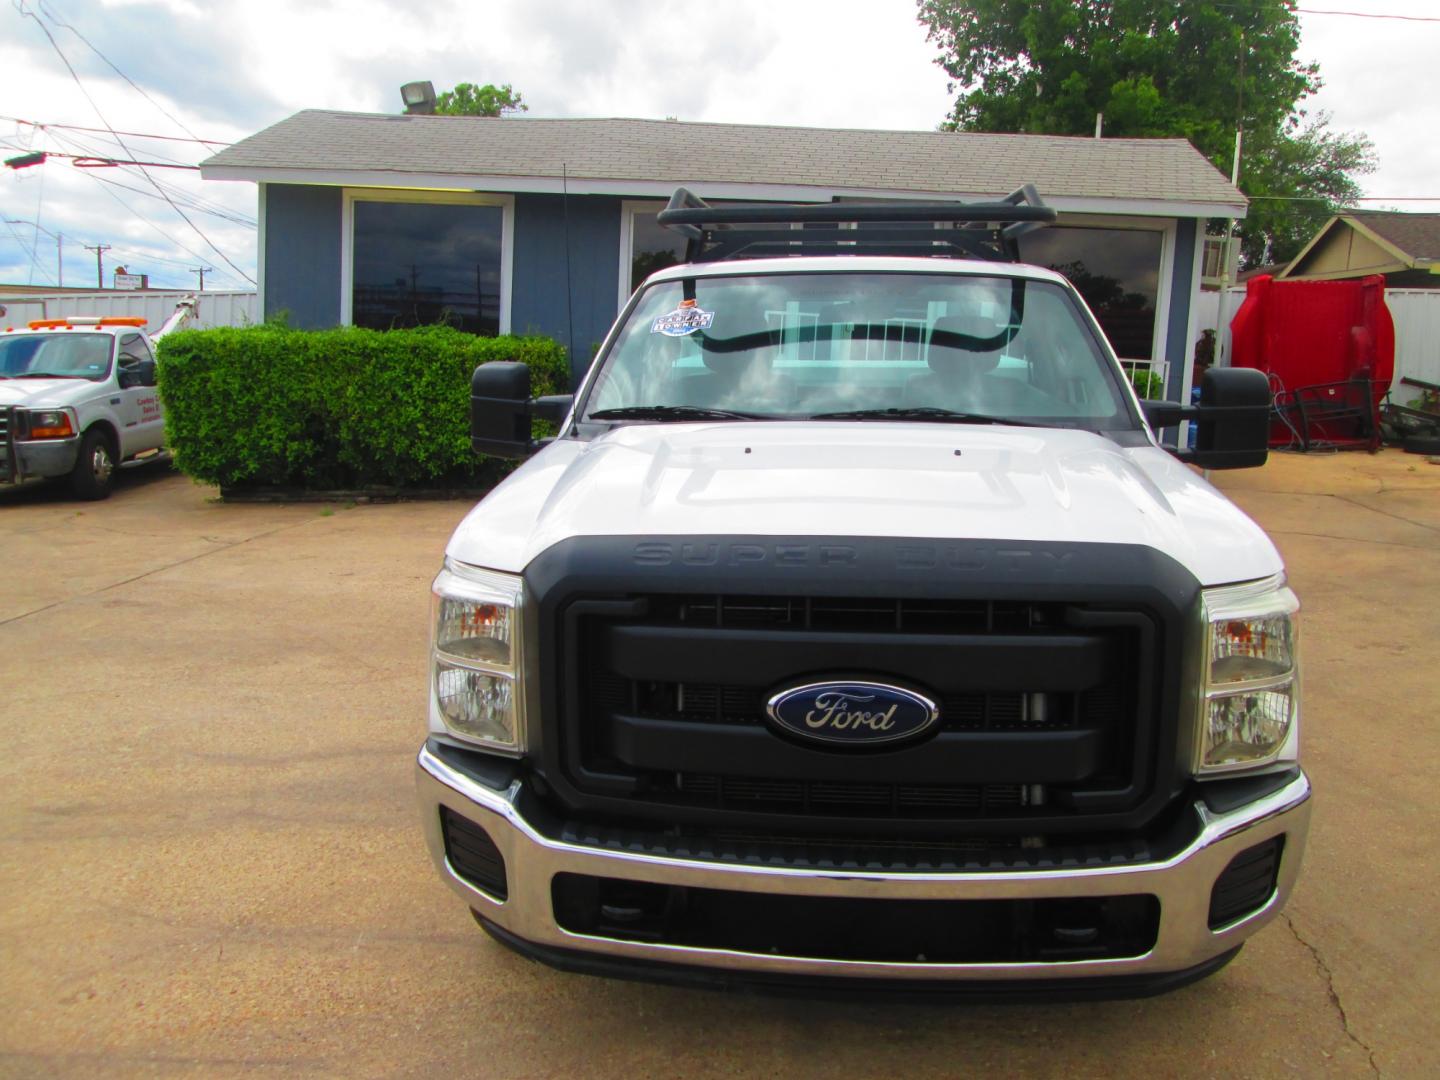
[684, 320]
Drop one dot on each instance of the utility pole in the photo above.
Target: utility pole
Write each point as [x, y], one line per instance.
[99, 250]
[1222, 353]
[202, 271]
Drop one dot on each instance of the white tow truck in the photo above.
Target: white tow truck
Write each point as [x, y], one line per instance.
[78, 399]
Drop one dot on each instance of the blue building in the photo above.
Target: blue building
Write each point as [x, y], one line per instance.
[522, 225]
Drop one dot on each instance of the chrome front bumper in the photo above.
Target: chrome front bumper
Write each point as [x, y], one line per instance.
[1182, 884]
[21, 462]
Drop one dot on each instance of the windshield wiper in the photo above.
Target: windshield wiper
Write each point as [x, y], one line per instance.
[46, 375]
[673, 412]
[926, 412]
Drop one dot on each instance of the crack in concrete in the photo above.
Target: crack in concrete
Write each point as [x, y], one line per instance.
[1386, 513]
[1329, 978]
[1350, 539]
[157, 570]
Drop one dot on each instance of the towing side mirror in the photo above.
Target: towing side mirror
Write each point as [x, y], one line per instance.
[1232, 419]
[501, 410]
[1234, 430]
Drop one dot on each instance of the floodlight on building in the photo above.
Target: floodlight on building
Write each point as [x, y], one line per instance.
[419, 98]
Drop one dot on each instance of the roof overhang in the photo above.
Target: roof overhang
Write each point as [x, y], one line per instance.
[1402, 260]
[663, 189]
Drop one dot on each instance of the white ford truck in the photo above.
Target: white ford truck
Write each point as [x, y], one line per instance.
[857, 631]
[78, 400]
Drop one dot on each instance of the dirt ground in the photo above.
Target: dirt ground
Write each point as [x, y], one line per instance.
[210, 862]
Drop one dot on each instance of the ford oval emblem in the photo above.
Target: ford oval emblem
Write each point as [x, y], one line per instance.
[852, 713]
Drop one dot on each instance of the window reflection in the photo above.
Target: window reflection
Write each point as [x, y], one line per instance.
[1117, 271]
[416, 264]
[652, 247]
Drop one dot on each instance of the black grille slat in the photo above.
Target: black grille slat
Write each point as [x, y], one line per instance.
[830, 798]
[866, 613]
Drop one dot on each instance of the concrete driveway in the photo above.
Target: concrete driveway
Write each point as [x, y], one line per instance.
[210, 862]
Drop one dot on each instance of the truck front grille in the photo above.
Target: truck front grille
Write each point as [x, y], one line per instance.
[7, 445]
[1046, 707]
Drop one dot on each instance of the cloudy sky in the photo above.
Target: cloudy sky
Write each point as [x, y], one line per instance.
[221, 72]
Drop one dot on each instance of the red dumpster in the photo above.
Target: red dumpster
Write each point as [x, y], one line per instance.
[1329, 350]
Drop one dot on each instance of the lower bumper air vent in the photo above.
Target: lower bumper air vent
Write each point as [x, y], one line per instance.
[473, 854]
[847, 928]
[1247, 883]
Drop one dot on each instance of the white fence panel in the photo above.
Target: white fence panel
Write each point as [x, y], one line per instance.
[215, 308]
[1417, 339]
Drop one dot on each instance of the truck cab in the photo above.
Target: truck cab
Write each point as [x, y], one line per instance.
[857, 630]
[77, 401]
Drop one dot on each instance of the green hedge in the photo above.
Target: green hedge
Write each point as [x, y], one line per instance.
[1148, 384]
[340, 408]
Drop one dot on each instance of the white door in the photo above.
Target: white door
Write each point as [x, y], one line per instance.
[140, 405]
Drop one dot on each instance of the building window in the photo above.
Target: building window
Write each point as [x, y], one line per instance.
[1117, 271]
[421, 263]
[645, 246]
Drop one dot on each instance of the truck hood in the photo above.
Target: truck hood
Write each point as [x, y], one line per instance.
[936, 481]
[43, 393]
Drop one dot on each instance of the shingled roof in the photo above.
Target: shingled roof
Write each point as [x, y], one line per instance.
[1417, 235]
[1358, 242]
[648, 156]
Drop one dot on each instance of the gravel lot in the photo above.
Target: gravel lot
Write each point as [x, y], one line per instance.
[210, 862]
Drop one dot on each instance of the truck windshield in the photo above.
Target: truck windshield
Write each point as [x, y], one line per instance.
[873, 346]
[59, 354]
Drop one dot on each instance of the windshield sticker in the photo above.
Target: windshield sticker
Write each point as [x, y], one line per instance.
[683, 321]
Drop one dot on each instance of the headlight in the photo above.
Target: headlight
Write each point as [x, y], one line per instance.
[475, 658]
[1250, 708]
[51, 424]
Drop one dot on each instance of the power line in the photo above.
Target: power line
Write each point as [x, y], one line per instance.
[170, 239]
[126, 253]
[1318, 10]
[189, 198]
[141, 217]
[24, 11]
[96, 161]
[30, 253]
[1371, 15]
[54, 16]
[54, 131]
[101, 131]
[186, 198]
[244, 223]
[39, 203]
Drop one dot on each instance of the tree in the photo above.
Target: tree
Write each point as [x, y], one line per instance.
[1187, 68]
[1296, 182]
[467, 99]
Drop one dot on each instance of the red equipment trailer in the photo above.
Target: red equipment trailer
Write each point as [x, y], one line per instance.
[1329, 350]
